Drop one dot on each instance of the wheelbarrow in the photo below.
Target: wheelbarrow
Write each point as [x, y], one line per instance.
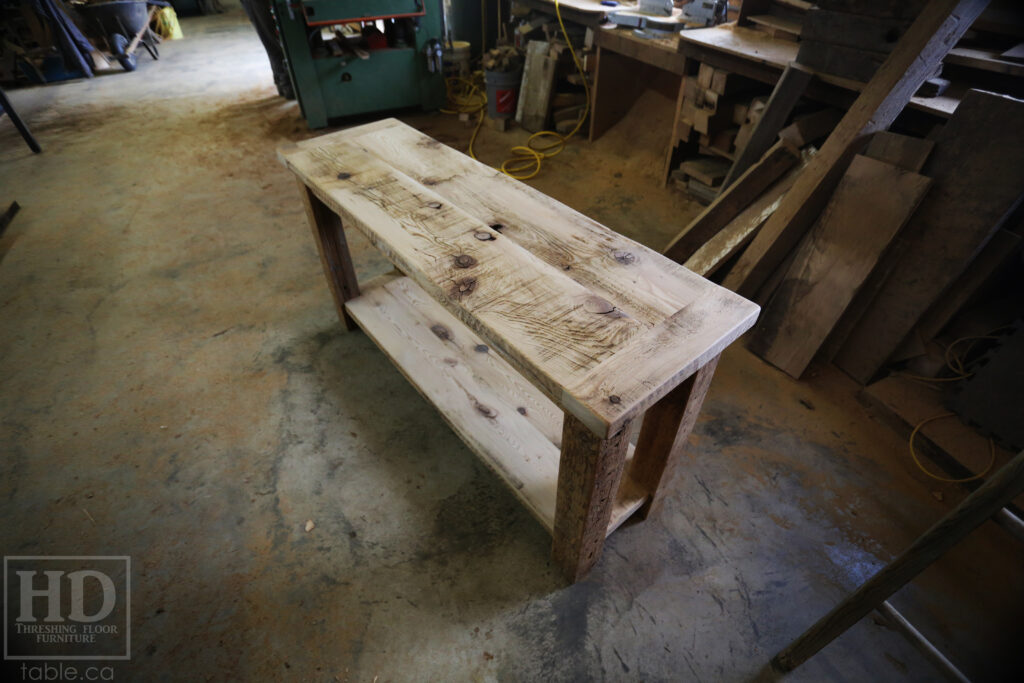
[125, 25]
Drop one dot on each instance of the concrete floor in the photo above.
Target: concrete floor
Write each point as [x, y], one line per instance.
[174, 386]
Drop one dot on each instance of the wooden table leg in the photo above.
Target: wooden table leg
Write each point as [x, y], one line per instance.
[334, 255]
[588, 478]
[664, 433]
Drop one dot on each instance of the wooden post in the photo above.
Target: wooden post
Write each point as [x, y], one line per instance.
[334, 254]
[588, 479]
[664, 433]
[1003, 486]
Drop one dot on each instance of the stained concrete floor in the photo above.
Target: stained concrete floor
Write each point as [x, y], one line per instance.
[174, 386]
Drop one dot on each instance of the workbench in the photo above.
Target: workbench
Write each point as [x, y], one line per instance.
[628, 64]
[540, 335]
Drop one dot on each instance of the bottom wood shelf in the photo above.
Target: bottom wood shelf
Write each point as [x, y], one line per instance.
[514, 428]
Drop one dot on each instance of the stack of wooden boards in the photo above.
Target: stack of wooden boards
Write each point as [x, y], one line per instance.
[873, 240]
[722, 109]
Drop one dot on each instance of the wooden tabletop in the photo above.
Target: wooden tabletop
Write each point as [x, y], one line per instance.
[601, 324]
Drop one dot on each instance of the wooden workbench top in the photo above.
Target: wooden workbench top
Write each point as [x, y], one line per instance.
[601, 324]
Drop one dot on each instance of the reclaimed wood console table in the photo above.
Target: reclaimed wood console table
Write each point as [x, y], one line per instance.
[539, 334]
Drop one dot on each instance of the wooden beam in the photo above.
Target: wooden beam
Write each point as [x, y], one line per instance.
[737, 234]
[1002, 487]
[787, 93]
[727, 205]
[939, 26]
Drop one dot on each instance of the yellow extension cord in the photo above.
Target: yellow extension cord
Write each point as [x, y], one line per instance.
[955, 363]
[526, 160]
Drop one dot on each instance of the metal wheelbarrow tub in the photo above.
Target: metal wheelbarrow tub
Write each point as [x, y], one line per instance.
[123, 23]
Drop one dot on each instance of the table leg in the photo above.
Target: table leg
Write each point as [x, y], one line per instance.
[588, 479]
[664, 433]
[334, 255]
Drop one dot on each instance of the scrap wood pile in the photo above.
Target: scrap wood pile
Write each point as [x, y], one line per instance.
[872, 250]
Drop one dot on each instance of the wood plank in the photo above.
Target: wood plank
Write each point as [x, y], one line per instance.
[854, 30]
[708, 170]
[739, 231]
[665, 433]
[871, 203]
[333, 250]
[588, 476]
[662, 53]
[840, 60]
[978, 169]
[985, 60]
[640, 283]
[538, 84]
[507, 422]
[512, 263]
[899, 150]
[777, 27]
[811, 128]
[748, 187]
[787, 93]
[936, 29]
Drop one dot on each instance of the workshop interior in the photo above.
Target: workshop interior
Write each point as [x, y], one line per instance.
[512, 340]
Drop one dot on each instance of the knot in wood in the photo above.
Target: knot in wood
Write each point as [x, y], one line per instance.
[596, 304]
[486, 411]
[497, 226]
[481, 348]
[441, 331]
[464, 261]
[463, 286]
[614, 399]
[434, 205]
[623, 257]
[483, 236]
[344, 176]
[521, 410]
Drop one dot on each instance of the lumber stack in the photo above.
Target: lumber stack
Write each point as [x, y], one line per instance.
[719, 109]
[869, 250]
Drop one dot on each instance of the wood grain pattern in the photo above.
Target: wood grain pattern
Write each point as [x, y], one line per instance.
[557, 294]
[731, 202]
[919, 52]
[871, 203]
[664, 434]
[588, 477]
[505, 420]
[740, 230]
[978, 171]
[334, 255]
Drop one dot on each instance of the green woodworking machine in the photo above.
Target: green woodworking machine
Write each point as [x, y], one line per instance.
[349, 57]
